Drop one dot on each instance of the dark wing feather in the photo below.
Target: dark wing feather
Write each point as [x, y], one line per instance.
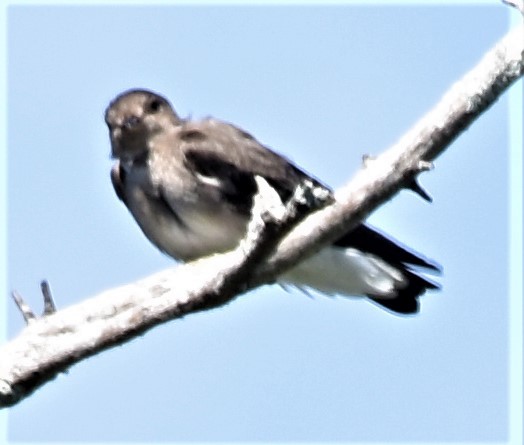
[370, 240]
[225, 153]
[237, 187]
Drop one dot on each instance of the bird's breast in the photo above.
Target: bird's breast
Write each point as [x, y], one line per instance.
[184, 228]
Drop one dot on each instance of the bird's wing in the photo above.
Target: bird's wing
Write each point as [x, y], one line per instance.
[370, 240]
[228, 158]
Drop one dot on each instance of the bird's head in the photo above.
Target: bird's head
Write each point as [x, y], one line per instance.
[133, 118]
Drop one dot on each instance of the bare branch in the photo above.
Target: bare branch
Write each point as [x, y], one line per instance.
[385, 175]
[53, 343]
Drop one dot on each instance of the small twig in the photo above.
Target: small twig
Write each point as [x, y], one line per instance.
[27, 312]
[411, 183]
[49, 304]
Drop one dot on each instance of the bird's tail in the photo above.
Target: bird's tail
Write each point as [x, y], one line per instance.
[351, 272]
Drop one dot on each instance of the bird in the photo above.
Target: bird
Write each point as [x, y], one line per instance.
[190, 185]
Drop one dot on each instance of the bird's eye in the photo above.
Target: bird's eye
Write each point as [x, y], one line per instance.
[154, 105]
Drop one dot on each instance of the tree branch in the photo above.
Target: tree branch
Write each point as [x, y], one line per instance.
[396, 168]
[51, 344]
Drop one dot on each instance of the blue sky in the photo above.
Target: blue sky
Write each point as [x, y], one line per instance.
[323, 85]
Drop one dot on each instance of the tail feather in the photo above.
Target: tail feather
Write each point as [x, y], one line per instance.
[364, 262]
[406, 300]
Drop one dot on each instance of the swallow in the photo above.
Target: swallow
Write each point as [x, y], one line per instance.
[190, 185]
